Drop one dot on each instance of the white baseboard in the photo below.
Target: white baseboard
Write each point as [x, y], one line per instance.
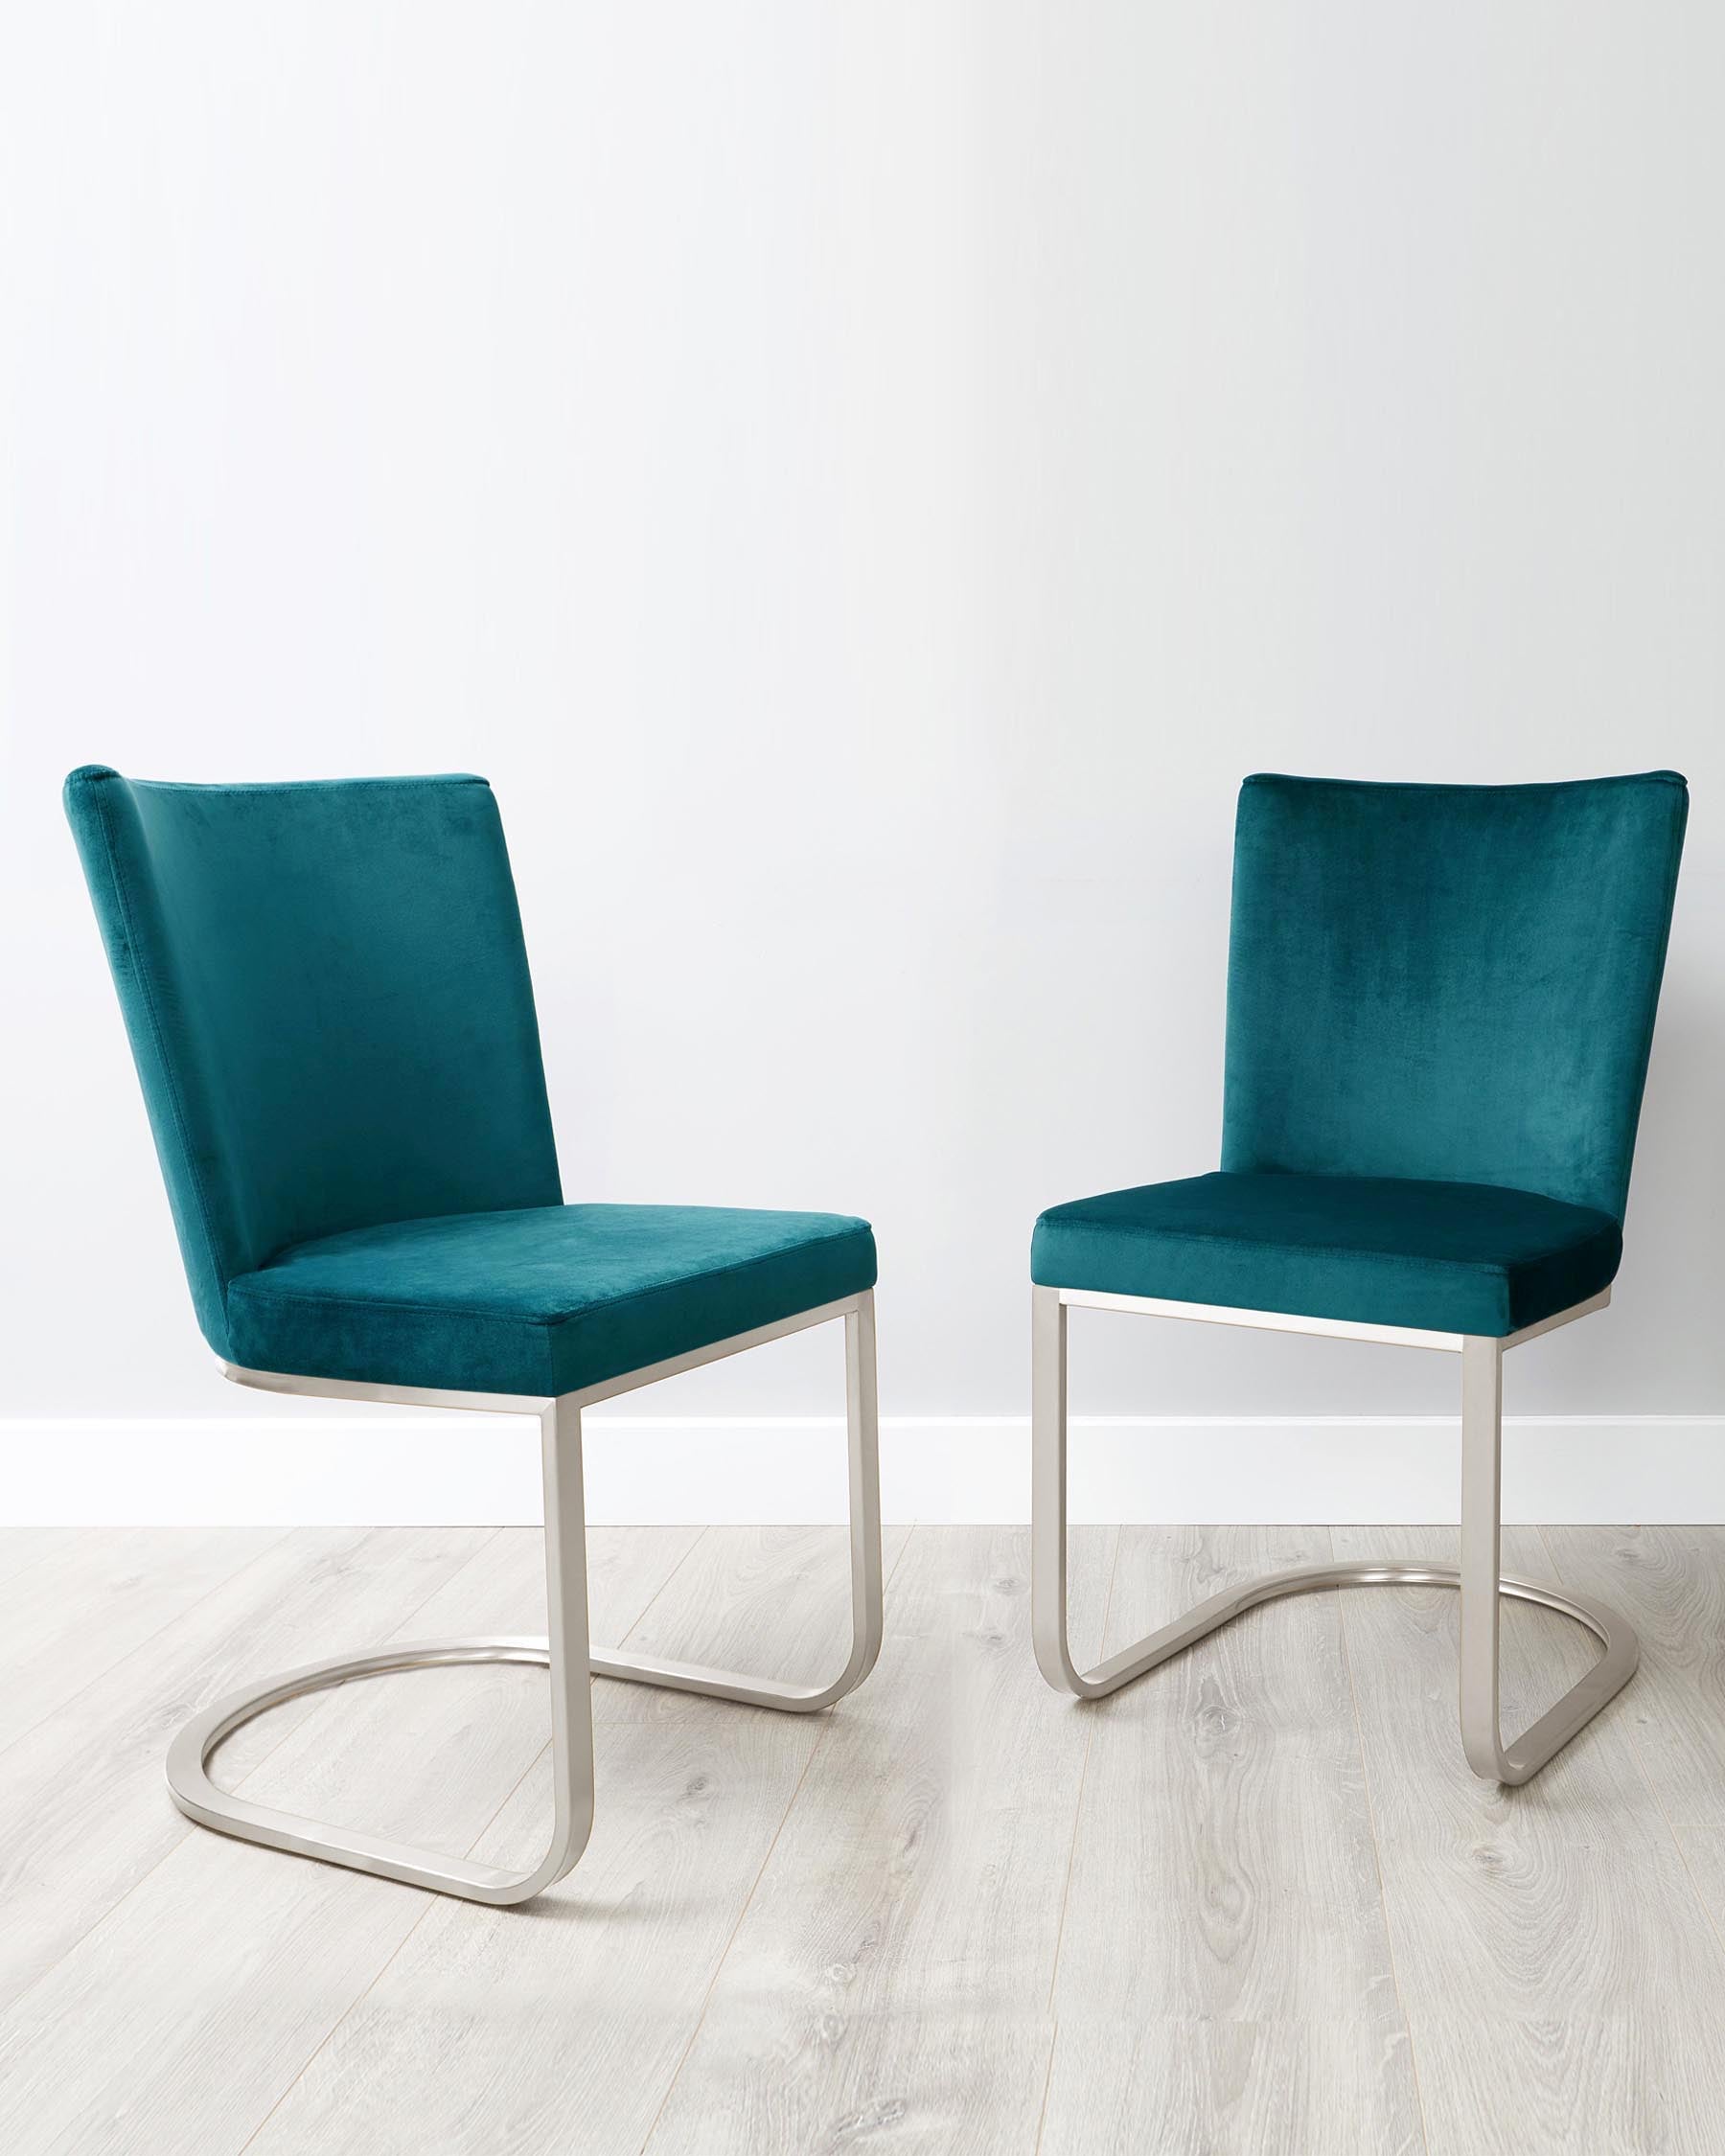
[400, 1469]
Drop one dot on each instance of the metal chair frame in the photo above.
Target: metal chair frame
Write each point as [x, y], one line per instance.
[565, 1650]
[1478, 1575]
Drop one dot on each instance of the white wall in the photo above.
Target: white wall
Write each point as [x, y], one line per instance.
[865, 482]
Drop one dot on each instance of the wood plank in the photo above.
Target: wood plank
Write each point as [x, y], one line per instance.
[1235, 2088]
[87, 1813]
[812, 1934]
[768, 1601]
[24, 1545]
[559, 2026]
[1670, 1582]
[551, 2018]
[1224, 1865]
[1564, 1899]
[916, 1889]
[500, 1590]
[1627, 2083]
[183, 2016]
[939, 2083]
[88, 1603]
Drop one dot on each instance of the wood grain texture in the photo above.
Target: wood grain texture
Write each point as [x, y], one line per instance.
[501, 1588]
[20, 1547]
[1670, 1582]
[768, 1601]
[561, 2026]
[1231, 2088]
[88, 1601]
[1646, 2081]
[1224, 1865]
[581, 2007]
[85, 1807]
[960, 1912]
[918, 1880]
[185, 2015]
[905, 2083]
[1565, 1897]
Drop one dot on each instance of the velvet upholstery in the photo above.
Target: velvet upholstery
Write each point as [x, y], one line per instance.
[1440, 1001]
[327, 992]
[1455, 1257]
[544, 1300]
[1455, 981]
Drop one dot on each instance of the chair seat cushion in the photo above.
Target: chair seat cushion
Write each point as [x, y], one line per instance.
[1450, 1257]
[544, 1299]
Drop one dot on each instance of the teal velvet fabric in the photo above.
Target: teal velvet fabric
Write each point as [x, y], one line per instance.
[1454, 981]
[327, 992]
[540, 1301]
[1450, 1257]
[1440, 1001]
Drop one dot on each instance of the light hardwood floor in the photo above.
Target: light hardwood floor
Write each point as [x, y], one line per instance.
[1256, 1903]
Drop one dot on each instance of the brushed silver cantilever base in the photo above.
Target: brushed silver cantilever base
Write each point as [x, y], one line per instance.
[1478, 1575]
[1514, 1763]
[564, 1651]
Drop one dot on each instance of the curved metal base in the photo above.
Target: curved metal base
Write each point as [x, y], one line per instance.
[200, 1798]
[1478, 1576]
[565, 1651]
[1512, 1764]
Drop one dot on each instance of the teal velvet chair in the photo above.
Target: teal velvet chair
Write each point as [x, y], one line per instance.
[1439, 1005]
[327, 1000]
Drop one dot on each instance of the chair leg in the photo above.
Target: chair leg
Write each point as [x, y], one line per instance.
[1483, 1585]
[866, 1620]
[1478, 1575]
[564, 1650]
[567, 1652]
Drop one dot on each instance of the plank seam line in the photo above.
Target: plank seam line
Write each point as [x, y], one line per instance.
[724, 1955]
[1041, 2117]
[1089, 1738]
[640, 1618]
[189, 1831]
[1377, 1854]
[64, 1700]
[1652, 1780]
[432, 1900]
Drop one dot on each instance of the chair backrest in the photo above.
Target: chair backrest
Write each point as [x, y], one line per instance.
[329, 1004]
[1450, 982]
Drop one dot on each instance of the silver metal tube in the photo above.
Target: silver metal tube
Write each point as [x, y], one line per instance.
[1478, 1575]
[565, 1650]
